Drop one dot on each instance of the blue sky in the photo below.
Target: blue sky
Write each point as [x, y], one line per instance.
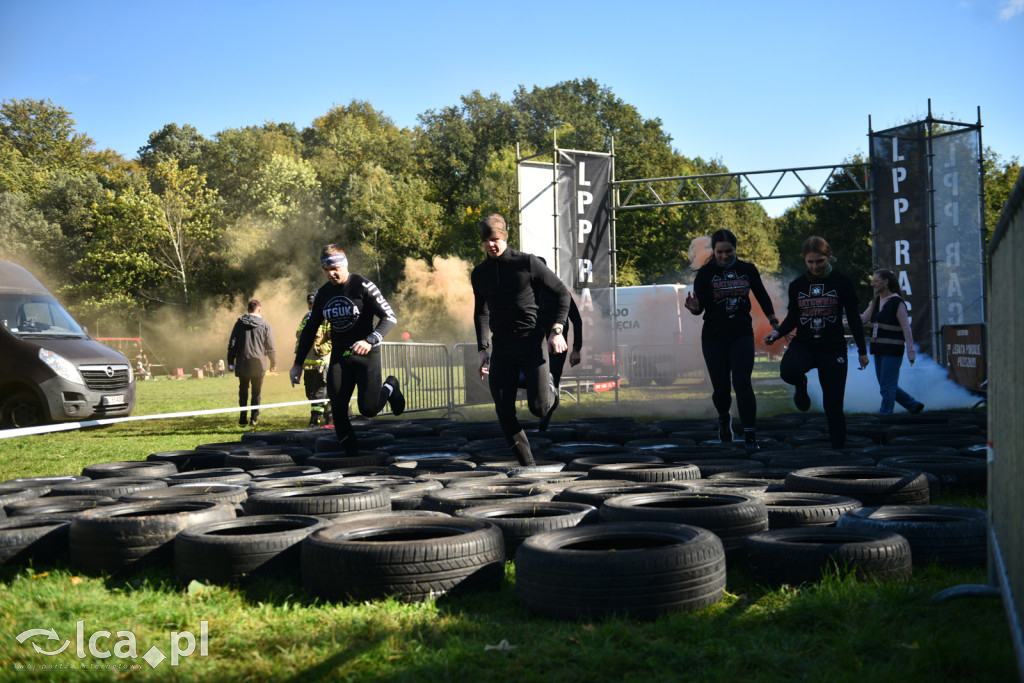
[760, 85]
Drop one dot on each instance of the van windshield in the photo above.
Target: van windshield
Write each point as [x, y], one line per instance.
[35, 316]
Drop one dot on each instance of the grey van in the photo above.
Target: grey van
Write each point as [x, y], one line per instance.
[51, 370]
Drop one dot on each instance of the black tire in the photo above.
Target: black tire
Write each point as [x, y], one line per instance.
[338, 460]
[869, 485]
[957, 473]
[306, 481]
[116, 538]
[36, 538]
[945, 440]
[518, 520]
[802, 459]
[41, 482]
[15, 494]
[220, 493]
[283, 471]
[258, 460]
[238, 548]
[451, 500]
[324, 501]
[513, 468]
[410, 558]
[596, 491]
[586, 463]
[620, 433]
[23, 409]
[640, 570]
[228, 446]
[569, 451]
[711, 467]
[648, 472]
[465, 477]
[186, 461]
[218, 475]
[695, 454]
[129, 468]
[731, 516]
[746, 487]
[57, 505]
[806, 555]
[114, 487]
[789, 509]
[937, 533]
[366, 441]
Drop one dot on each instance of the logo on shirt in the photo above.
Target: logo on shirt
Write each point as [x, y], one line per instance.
[818, 307]
[729, 289]
[341, 312]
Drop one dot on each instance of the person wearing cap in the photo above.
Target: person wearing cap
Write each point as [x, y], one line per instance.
[314, 367]
[511, 335]
[350, 303]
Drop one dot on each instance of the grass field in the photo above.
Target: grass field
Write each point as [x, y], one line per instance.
[838, 630]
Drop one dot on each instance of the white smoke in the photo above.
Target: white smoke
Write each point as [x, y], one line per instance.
[926, 380]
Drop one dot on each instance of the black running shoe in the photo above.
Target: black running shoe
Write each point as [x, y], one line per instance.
[800, 398]
[917, 409]
[397, 400]
[725, 428]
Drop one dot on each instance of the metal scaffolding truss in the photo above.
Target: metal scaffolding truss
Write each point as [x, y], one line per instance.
[739, 187]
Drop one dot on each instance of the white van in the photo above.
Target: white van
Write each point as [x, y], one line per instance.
[51, 370]
[656, 338]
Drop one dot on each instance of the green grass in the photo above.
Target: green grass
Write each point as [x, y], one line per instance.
[837, 630]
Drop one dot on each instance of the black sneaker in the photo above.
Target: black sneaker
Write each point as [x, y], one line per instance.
[253, 422]
[242, 421]
[725, 428]
[917, 409]
[800, 398]
[397, 400]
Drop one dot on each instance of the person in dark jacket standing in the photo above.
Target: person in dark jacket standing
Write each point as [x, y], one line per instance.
[251, 343]
[817, 301]
[721, 291]
[350, 303]
[889, 337]
[510, 333]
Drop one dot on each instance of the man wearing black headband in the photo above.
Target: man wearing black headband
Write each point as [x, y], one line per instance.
[350, 302]
[510, 335]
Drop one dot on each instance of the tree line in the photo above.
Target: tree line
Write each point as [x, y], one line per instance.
[192, 219]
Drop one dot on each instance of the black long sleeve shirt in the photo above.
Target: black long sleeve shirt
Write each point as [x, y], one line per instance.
[350, 308]
[723, 294]
[816, 311]
[505, 296]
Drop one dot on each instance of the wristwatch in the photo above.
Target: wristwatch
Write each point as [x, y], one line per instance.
[557, 329]
[372, 340]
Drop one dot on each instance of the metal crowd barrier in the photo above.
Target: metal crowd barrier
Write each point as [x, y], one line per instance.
[423, 372]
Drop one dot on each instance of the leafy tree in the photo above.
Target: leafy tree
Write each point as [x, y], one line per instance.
[999, 180]
[43, 134]
[26, 237]
[183, 235]
[173, 143]
[390, 220]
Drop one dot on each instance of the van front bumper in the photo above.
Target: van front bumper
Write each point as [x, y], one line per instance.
[69, 401]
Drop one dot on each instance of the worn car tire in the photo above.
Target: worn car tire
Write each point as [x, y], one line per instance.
[116, 538]
[412, 558]
[869, 485]
[238, 548]
[36, 538]
[129, 468]
[937, 533]
[789, 509]
[806, 555]
[327, 500]
[636, 569]
[518, 521]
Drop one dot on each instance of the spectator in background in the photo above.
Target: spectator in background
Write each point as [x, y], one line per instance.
[251, 344]
[890, 336]
[314, 367]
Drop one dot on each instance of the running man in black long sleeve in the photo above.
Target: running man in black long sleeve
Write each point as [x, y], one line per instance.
[721, 291]
[506, 309]
[350, 302]
[817, 301]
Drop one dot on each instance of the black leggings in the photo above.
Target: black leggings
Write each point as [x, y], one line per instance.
[344, 374]
[509, 357]
[734, 358]
[831, 363]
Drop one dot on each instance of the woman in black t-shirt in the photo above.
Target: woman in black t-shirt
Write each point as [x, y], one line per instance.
[721, 291]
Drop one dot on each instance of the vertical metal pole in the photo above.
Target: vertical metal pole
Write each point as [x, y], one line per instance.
[615, 269]
[982, 227]
[937, 350]
[554, 207]
[519, 198]
[873, 199]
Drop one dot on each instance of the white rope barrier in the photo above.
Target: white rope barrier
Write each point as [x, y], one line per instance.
[69, 426]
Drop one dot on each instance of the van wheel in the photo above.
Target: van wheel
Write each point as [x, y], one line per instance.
[22, 410]
[665, 381]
